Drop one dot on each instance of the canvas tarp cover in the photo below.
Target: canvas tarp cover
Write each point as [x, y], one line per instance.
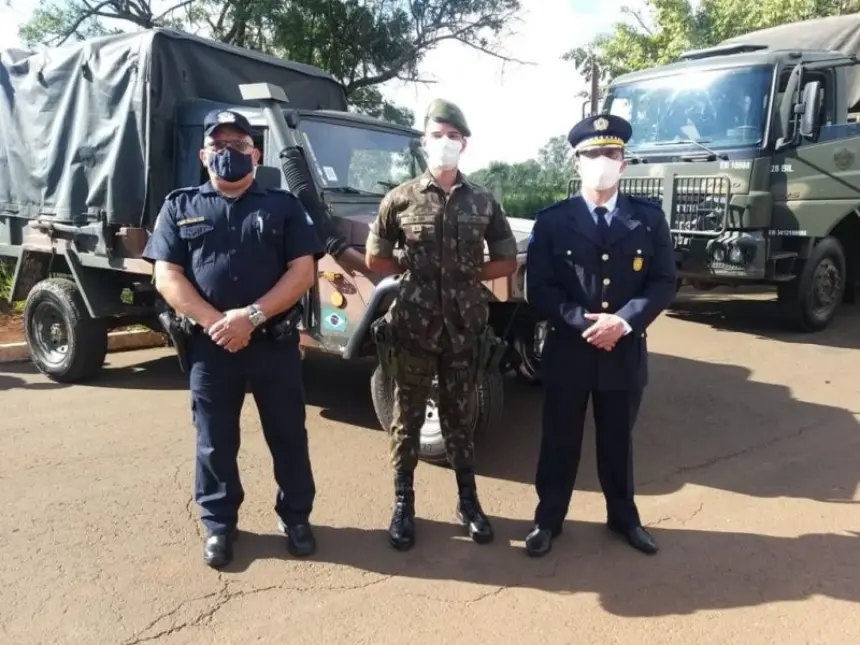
[836, 33]
[81, 126]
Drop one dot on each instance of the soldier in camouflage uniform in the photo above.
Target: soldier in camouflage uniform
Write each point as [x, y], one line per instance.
[440, 222]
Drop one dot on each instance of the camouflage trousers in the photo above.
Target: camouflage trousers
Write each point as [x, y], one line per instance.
[413, 384]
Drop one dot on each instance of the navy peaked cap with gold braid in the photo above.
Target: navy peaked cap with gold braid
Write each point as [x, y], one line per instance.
[600, 131]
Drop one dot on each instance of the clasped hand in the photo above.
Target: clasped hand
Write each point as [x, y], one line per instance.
[233, 331]
[605, 331]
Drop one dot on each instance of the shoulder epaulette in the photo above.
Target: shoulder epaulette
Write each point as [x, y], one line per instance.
[183, 190]
[278, 190]
[552, 208]
[644, 201]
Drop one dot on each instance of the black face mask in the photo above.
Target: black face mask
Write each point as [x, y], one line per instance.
[230, 165]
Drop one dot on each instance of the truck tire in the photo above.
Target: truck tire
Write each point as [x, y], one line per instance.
[811, 300]
[65, 343]
[487, 411]
[529, 368]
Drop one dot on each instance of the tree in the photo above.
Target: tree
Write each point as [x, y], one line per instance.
[556, 161]
[363, 43]
[667, 28]
[528, 186]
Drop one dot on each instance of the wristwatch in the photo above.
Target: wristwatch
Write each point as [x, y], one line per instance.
[256, 315]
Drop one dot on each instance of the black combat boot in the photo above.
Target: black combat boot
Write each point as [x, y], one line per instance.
[469, 510]
[401, 532]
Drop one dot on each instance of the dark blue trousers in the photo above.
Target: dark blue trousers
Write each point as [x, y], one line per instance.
[564, 408]
[218, 384]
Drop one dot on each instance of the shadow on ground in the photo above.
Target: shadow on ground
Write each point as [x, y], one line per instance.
[9, 382]
[695, 416]
[695, 570]
[757, 312]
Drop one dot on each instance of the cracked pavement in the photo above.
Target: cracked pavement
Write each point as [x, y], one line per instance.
[747, 468]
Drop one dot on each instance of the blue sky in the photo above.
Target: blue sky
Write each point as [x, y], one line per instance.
[512, 109]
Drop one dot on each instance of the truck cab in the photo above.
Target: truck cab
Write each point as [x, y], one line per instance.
[753, 152]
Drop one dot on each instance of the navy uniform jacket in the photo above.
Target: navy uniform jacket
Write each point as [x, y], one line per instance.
[232, 250]
[569, 273]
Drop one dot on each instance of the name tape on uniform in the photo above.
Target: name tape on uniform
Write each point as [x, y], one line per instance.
[190, 220]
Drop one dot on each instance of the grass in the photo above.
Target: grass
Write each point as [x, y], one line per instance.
[7, 270]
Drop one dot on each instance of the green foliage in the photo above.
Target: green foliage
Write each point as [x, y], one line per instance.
[7, 272]
[667, 28]
[363, 43]
[528, 186]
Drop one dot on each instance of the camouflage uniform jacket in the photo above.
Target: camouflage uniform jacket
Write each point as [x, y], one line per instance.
[442, 240]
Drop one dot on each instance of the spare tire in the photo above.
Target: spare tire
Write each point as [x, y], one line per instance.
[487, 408]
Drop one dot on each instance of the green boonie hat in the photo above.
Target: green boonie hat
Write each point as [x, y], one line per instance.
[446, 112]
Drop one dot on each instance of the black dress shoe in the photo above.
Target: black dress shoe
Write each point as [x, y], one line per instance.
[539, 541]
[300, 539]
[218, 549]
[637, 537]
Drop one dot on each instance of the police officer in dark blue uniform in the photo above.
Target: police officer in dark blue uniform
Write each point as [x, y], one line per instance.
[600, 269]
[233, 257]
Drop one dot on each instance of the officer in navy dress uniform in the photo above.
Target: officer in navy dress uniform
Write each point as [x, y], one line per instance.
[234, 256]
[600, 269]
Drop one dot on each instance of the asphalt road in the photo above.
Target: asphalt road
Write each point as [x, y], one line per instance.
[746, 459]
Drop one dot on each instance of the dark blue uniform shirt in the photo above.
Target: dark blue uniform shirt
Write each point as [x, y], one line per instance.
[572, 271]
[232, 250]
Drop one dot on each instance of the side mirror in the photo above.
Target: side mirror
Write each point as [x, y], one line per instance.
[787, 110]
[812, 96]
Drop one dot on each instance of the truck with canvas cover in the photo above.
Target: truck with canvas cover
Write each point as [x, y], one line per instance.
[95, 134]
[752, 148]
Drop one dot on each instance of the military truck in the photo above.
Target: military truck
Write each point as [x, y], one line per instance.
[94, 135]
[752, 148]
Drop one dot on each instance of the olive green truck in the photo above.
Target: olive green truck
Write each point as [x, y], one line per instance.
[752, 148]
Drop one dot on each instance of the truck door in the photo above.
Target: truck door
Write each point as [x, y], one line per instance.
[813, 170]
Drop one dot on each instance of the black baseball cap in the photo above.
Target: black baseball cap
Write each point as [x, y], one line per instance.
[217, 118]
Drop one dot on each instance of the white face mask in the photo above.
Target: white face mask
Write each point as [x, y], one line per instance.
[600, 173]
[442, 152]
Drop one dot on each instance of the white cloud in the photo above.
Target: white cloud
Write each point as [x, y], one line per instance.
[11, 17]
[512, 109]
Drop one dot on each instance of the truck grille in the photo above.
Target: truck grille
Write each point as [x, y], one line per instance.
[700, 203]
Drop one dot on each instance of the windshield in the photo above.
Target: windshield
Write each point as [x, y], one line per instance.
[719, 107]
[351, 158]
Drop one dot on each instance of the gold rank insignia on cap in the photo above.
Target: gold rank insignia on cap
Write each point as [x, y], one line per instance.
[226, 117]
[637, 264]
[601, 124]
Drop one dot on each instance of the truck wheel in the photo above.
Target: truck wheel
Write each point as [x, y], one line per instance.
[65, 343]
[487, 407]
[812, 299]
[529, 353]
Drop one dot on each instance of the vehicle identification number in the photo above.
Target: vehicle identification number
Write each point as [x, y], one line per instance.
[787, 232]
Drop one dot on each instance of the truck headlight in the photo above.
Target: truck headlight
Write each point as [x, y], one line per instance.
[736, 255]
